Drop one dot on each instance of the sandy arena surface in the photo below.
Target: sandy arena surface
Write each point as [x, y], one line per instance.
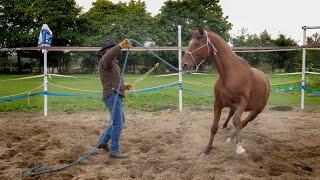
[162, 145]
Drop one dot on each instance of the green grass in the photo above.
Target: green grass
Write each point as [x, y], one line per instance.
[149, 101]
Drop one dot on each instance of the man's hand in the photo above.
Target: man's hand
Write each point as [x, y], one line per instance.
[125, 44]
[128, 86]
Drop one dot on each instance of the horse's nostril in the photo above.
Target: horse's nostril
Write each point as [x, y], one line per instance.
[185, 65]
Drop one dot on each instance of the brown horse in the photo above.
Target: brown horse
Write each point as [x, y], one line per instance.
[239, 86]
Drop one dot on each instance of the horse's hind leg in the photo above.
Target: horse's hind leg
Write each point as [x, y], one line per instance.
[240, 108]
[214, 129]
[231, 113]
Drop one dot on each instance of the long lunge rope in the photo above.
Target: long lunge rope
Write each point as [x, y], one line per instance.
[91, 152]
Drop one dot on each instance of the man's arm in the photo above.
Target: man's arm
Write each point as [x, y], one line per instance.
[109, 57]
[111, 54]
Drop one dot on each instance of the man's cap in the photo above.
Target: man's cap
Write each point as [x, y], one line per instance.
[107, 44]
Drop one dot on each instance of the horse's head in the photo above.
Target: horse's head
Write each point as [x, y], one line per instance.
[198, 50]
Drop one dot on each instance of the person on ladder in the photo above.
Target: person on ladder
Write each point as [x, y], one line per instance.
[110, 76]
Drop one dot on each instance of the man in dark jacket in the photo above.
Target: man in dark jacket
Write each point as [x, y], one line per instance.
[110, 75]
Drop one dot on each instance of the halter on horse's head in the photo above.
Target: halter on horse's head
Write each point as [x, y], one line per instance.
[200, 47]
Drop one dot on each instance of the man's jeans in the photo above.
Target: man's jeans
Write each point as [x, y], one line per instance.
[114, 129]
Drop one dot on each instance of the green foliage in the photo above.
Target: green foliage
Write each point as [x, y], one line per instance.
[255, 59]
[190, 14]
[88, 62]
[109, 20]
[21, 21]
[268, 61]
[287, 60]
[313, 56]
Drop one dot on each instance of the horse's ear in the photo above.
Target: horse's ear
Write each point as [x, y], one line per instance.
[191, 32]
[201, 31]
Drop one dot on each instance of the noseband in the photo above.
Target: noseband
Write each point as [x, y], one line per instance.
[207, 44]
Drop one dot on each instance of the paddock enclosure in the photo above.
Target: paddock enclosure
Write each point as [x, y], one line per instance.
[169, 116]
[162, 145]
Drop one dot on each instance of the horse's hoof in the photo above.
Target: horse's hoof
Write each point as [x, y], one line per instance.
[224, 126]
[240, 150]
[228, 140]
[207, 151]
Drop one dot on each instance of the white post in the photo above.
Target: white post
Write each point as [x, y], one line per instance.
[45, 82]
[303, 73]
[180, 68]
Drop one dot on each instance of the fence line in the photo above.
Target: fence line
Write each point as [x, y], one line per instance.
[169, 48]
[292, 82]
[308, 72]
[204, 84]
[23, 78]
[74, 89]
[296, 73]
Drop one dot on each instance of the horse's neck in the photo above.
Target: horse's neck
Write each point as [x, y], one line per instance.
[225, 58]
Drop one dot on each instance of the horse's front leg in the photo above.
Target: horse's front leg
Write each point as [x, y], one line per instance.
[214, 129]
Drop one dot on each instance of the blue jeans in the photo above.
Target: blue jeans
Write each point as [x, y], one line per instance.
[114, 129]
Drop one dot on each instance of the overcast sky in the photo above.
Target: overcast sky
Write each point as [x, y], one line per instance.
[275, 16]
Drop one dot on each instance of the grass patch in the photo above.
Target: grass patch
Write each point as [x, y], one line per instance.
[153, 101]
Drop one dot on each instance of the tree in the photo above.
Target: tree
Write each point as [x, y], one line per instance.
[190, 14]
[21, 20]
[287, 60]
[255, 58]
[17, 24]
[62, 19]
[268, 61]
[109, 21]
[313, 57]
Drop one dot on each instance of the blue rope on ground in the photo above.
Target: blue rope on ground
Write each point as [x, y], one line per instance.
[285, 89]
[88, 95]
[147, 90]
[20, 97]
[311, 91]
[86, 156]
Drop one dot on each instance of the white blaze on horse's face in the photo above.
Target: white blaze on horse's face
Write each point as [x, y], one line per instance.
[190, 42]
